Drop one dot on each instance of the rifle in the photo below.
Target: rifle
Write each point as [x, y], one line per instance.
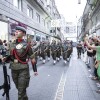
[6, 84]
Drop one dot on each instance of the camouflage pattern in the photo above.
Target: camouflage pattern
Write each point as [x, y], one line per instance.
[42, 49]
[48, 49]
[59, 46]
[69, 51]
[64, 50]
[54, 50]
[36, 52]
[21, 79]
[20, 72]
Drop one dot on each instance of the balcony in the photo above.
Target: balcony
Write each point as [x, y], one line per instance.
[43, 7]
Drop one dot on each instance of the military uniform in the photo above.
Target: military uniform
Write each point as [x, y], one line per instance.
[69, 51]
[58, 51]
[64, 51]
[20, 52]
[36, 52]
[48, 51]
[54, 51]
[42, 50]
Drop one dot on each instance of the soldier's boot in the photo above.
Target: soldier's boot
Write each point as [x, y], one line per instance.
[58, 59]
[43, 61]
[65, 61]
[40, 58]
[54, 62]
[48, 59]
[68, 59]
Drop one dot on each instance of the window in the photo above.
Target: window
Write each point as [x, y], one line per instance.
[38, 38]
[18, 4]
[30, 12]
[38, 17]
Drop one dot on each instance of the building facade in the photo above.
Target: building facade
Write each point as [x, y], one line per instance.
[91, 18]
[34, 15]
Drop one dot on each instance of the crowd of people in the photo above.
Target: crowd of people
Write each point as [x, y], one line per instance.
[20, 51]
[53, 50]
[91, 48]
[3, 48]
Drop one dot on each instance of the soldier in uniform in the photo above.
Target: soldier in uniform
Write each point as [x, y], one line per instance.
[48, 50]
[69, 51]
[36, 51]
[64, 51]
[20, 50]
[58, 51]
[42, 50]
[54, 51]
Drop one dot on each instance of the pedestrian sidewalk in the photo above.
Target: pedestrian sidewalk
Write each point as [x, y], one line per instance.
[78, 85]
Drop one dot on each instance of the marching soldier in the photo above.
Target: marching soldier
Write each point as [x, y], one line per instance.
[58, 51]
[42, 50]
[64, 51]
[36, 51]
[48, 50]
[20, 50]
[54, 51]
[69, 51]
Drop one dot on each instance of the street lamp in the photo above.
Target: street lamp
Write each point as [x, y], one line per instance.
[79, 1]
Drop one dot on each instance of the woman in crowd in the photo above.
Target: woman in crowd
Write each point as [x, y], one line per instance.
[97, 48]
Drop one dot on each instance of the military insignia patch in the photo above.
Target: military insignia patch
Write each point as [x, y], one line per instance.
[19, 46]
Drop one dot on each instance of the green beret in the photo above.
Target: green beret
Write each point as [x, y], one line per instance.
[21, 28]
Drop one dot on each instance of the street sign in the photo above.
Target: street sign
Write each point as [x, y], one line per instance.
[58, 23]
[55, 23]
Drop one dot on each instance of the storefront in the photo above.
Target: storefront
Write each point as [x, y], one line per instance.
[3, 30]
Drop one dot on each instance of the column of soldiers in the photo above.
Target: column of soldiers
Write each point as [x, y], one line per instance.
[21, 51]
[54, 50]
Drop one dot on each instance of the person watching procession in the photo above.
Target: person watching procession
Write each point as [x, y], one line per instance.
[20, 50]
[97, 48]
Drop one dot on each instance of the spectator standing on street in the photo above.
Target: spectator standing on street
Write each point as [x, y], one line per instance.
[97, 48]
[79, 49]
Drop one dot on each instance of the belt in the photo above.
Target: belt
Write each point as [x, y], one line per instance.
[16, 61]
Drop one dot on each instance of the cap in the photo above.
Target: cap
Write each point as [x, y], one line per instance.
[21, 28]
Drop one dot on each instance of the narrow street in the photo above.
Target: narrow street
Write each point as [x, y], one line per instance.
[78, 86]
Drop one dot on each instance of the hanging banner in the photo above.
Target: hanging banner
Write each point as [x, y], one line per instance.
[58, 23]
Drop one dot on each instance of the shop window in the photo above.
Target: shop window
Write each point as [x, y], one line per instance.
[43, 38]
[18, 4]
[38, 38]
[29, 11]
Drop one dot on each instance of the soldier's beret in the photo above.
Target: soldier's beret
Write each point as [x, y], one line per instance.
[21, 28]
